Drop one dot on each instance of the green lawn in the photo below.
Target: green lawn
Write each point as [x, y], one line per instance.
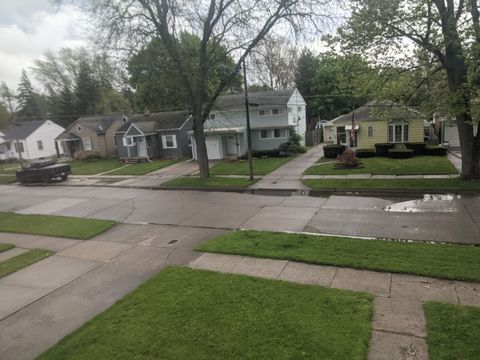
[144, 168]
[417, 184]
[7, 179]
[418, 165]
[192, 314]
[240, 167]
[49, 225]
[214, 181]
[5, 247]
[92, 167]
[459, 262]
[452, 331]
[23, 260]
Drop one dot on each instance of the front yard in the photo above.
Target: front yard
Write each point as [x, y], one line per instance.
[211, 182]
[144, 167]
[418, 165]
[93, 167]
[261, 166]
[397, 184]
[50, 225]
[452, 331]
[456, 262]
[192, 314]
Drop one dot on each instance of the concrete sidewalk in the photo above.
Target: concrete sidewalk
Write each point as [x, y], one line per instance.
[289, 176]
[398, 325]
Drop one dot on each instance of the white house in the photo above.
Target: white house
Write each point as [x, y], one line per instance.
[34, 139]
[274, 116]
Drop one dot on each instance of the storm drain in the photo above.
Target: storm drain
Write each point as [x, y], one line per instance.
[172, 241]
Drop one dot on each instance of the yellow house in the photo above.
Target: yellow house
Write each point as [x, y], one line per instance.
[376, 122]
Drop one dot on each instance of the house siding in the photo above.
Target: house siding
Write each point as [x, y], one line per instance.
[182, 149]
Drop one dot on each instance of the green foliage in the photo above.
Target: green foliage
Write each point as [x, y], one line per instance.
[4, 116]
[30, 104]
[23, 260]
[261, 166]
[191, 314]
[456, 262]
[212, 181]
[158, 82]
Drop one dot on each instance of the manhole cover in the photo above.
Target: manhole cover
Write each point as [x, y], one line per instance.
[172, 241]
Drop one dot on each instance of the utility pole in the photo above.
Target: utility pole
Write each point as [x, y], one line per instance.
[247, 111]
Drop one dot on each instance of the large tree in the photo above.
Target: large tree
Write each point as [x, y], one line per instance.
[30, 104]
[236, 25]
[448, 31]
[154, 76]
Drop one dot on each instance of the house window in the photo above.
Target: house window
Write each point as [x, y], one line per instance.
[212, 116]
[275, 112]
[265, 134]
[169, 141]
[39, 144]
[8, 147]
[341, 135]
[115, 140]
[299, 108]
[79, 129]
[279, 133]
[398, 133]
[17, 146]
[370, 131]
[262, 112]
[127, 141]
[87, 143]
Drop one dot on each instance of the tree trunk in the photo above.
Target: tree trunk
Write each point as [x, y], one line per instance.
[201, 147]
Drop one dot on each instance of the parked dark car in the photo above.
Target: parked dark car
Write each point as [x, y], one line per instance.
[42, 172]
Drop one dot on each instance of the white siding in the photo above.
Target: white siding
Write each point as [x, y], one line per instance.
[47, 134]
[297, 115]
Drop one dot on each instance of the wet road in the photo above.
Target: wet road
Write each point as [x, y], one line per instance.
[450, 219]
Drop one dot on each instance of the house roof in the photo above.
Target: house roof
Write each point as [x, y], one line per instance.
[98, 123]
[278, 97]
[150, 123]
[22, 130]
[379, 110]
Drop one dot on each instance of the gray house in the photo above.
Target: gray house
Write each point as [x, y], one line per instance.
[274, 116]
[155, 135]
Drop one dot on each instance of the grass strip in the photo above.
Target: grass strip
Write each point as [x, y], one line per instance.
[93, 167]
[6, 247]
[144, 168]
[418, 165]
[261, 166]
[191, 314]
[23, 260]
[213, 181]
[398, 184]
[7, 179]
[456, 262]
[452, 331]
[50, 225]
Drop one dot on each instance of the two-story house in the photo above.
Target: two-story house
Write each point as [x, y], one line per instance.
[92, 134]
[274, 116]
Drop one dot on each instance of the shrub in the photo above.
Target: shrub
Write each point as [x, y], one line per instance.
[417, 147]
[265, 153]
[400, 153]
[287, 149]
[347, 160]
[381, 149]
[365, 153]
[332, 151]
[88, 155]
[301, 149]
[434, 150]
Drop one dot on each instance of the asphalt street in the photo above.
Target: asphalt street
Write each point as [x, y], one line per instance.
[444, 219]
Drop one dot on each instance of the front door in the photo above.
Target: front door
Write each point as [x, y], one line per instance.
[142, 147]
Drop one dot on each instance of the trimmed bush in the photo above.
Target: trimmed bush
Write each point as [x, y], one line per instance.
[264, 153]
[347, 160]
[436, 150]
[365, 153]
[417, 147]
[301, 149]
[400, 153]
[381, 149]
[332, 151]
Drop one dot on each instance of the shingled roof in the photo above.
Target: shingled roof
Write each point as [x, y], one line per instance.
[379, 110]
[152, 122]
[22, 130]
[278, 97]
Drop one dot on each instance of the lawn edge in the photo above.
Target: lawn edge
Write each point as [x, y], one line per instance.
[46, 254]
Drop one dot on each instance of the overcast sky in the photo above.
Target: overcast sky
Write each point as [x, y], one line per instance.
[28, 28]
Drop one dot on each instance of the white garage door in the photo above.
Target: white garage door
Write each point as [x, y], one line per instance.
[213, 149]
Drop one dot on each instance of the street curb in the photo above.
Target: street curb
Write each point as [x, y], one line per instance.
[390, 192]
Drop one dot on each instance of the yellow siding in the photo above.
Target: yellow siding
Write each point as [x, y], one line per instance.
[380, 132]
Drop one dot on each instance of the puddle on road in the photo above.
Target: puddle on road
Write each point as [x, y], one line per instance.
[430, 203]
